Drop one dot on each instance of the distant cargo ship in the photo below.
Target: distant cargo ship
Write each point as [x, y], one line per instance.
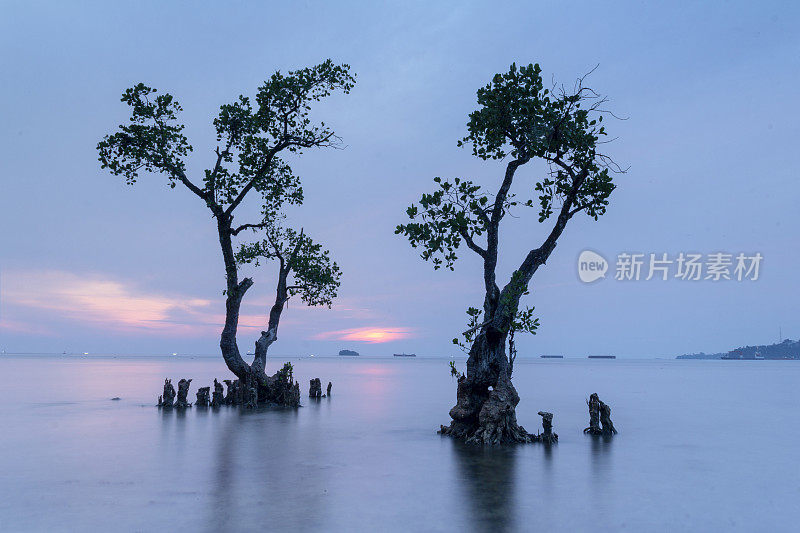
[348, 352]
[552, 356]
[602, 357]
[405, 355]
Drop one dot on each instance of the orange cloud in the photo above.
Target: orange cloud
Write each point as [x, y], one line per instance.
[34, 301]
[103, 301]
[370, 335]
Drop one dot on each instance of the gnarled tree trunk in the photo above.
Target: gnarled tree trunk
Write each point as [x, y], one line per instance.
[518, 120]
[485, 412]
[255, 384]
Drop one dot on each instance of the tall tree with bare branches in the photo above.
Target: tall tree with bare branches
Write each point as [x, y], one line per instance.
[519, 120]
[253, 139]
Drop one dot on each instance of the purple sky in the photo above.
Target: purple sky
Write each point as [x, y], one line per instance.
[90, 264]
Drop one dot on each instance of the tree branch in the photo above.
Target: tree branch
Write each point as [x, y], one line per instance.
[243, 227]
[538, 256]
[176, 172]
[213, 182]
[479, 326]
[258, 175]
[297, 246]
[579, 209]
[277, 249]
[471, 243]
[502, 194]
[191, 186]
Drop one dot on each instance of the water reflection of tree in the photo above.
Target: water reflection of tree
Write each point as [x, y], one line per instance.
[253, 483]
[601, 458]
[488, 478]
[601, 453]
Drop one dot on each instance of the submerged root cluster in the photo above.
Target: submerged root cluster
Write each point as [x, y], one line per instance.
[488, 416]
[257, 390]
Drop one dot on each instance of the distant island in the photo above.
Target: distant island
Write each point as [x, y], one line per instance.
[701, 355]
[787, 349]
[348, 352]
[405, 355]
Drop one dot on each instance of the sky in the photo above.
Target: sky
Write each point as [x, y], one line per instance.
[706, 91]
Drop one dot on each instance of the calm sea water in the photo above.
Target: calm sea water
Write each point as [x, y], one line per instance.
[703, 446]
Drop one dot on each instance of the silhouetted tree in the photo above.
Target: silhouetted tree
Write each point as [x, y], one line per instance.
[252, 138]
[518, 120]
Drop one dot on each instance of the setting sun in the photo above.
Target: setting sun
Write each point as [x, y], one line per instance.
[371, 335]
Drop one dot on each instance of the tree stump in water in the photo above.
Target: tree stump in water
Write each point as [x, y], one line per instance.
[315, 388]
[202, 396]
[486, 416]
[599, 412]
[548, 437]
[594, 415]
[168, 397]
[251, 400]
[278, 389]
[268, 390]
[183, 393]
[233, 396]
[329, 389]
[605, 420]
[217, 399]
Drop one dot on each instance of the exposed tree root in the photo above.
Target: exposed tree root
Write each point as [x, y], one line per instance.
[259, 390]
[203, 395]
[315, 388]
[483, 416]
[168, 397]
[547, 436]
[599, 415]
[183, 394]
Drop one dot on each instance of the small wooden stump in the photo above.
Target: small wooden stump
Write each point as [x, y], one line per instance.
[315, 388]
[217, 399]
[183, 393]
[599, 413]
[233, 396]
[251, 401]
[167, 399]
[605, 420]
[548, 437]
[202, 397]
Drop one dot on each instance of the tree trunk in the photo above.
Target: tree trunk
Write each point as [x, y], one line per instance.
[485, 412]
[234, 293]
[254, 384]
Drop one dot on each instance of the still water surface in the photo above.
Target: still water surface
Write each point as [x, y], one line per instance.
[703, 446]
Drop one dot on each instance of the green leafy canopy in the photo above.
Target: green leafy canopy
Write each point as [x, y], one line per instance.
[250, 137]
[518, 118]
[306, 267]
[521, 120]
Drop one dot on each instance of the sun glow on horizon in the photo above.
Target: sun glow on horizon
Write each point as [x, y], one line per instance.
[372, 335]
[47, 301]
